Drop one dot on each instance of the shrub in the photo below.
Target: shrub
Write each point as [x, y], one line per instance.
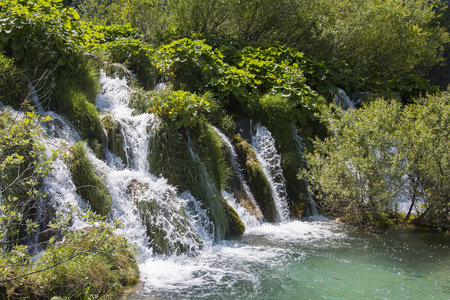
[184, 109]
[380, 154]
[23, 164]
[91, 262]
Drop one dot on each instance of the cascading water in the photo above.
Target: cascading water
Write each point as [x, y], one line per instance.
[343, 100]
[153, 217]
[264, 145]
[152, 198]
[249, 220]
[288, 260]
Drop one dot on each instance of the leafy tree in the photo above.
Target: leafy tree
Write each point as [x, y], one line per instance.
[426, 137]
[380, 155]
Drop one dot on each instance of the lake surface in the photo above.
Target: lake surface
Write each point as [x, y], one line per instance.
[305, 260]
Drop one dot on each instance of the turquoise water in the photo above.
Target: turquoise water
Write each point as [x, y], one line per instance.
[305, 260]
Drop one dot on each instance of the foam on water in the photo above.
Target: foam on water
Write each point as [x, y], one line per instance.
[114, 101]
[234, 268]
[297, 231]
[248, 219]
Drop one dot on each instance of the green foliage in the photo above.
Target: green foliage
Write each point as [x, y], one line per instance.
[184, 109]
[247, 73]
[12, 85]
[357, 169]
[190, 63]
[28, 25]
[134, 54]
[23, 164]
[89, 263]
[386, 36]
[170, 156]
[380, 153]
[426, 136]
[383, 36]
[90, 185]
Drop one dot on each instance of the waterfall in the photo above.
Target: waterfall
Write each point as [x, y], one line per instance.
[153, 217]
[113, 100]
[35, 98]
[248, 219]
[239, 174]
[264, 145]
[153, 200]
[343, 100]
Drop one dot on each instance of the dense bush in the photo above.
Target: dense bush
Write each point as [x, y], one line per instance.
[89, 263]
[184, 109]
[12, 85]
[23, 164]
[382, 36]
[382, 154]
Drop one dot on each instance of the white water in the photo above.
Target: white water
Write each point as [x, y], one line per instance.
[147, 187]
[343, 100]
[270, 160]
[248, 219]
[129, 185]
[113, 100]
[238, 171]
[288, 260]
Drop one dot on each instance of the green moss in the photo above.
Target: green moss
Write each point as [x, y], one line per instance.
[74, 98]
[257, 180]
[281, 117]
[90, 185]
[211, 150]
[236, 226]
[169, 155]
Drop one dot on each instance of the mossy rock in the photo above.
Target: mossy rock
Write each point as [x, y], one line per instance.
[212, 153]
[90, 185]
[115, 137]
[169, 155]
[235, 186]
[257, 180]
[236, 226]
[245, 200]
[74, 98]
[178, 237]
